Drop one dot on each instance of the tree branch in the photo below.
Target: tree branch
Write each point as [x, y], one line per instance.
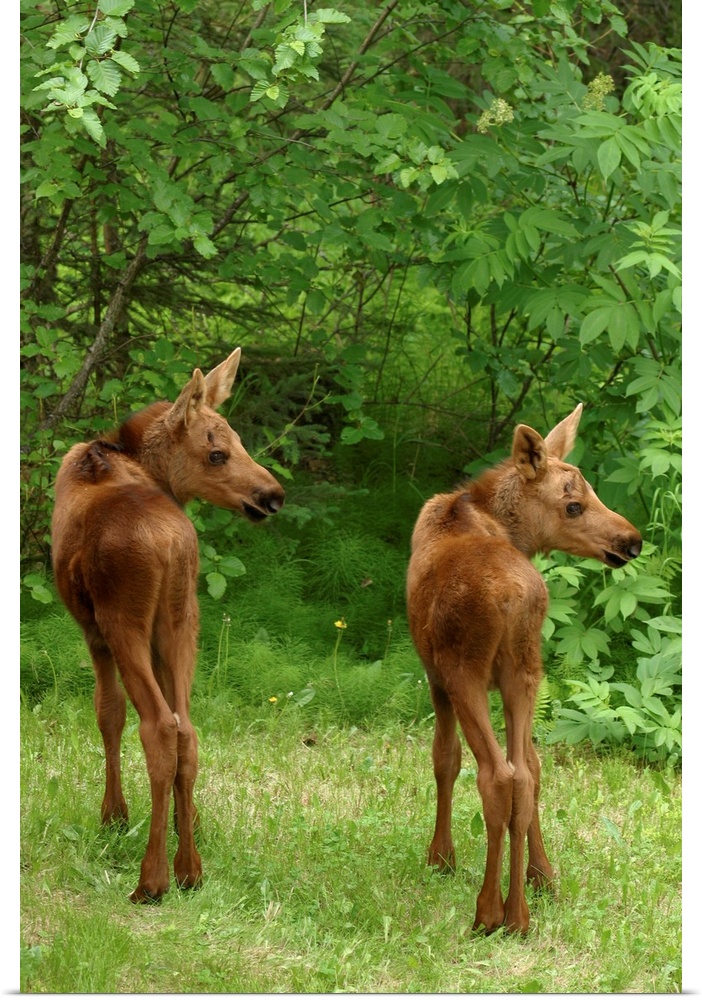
[118, 303]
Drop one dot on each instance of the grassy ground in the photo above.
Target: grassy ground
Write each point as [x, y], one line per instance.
[313, 842]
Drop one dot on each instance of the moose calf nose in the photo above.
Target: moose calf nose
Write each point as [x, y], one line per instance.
[273, 501]
[634, 548]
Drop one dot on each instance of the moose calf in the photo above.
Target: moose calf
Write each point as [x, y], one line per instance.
[125, 560]
[476, 605]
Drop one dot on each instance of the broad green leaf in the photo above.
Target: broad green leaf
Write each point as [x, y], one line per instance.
[216, 585]
[128, 62]
[115, 8]
[105, 76]
[477, 825]
[631, 259]
[595, 322]
[548, 221]
[68, 31]
[623, 327]
[438, 173]
[100, 40]
[327, 15]
[627, 605]
[633, 720]
[259, 89]
[629, 150]
[231, 566]
[609, 157]
[93, 126]
[205, 247]
[285, 56]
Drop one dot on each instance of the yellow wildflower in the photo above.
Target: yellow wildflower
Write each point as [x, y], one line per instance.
[273, 700]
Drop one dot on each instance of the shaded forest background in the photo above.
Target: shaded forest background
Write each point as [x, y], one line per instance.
[423, 223]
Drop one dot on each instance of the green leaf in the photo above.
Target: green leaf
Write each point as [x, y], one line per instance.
[305, 696]
[128, 62]
[548, 221]
[608, 157]
[631, 259]
[666, 623]
[100, 40]
[115, 8]
[216, 585]
[327, 15]
[624, 327]
[205, 247]
[231, 566]
[93, 126]
[594, 323]
[627, 605]
[633, 720]
[285, 56]
[477, 825]
[105, 76]
[612, 829]
[68, 31]
[259, 89]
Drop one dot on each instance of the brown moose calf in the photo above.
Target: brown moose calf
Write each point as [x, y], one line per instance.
[125, 560]
[476, 605]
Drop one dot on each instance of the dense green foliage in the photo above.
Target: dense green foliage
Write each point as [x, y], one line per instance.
[423, 222]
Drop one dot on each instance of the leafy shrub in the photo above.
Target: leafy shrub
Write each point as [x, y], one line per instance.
[645, 715]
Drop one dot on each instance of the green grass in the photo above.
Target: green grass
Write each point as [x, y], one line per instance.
[313, 841]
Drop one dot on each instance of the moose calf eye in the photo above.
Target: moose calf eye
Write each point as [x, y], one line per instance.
[573, 509]
[217, 458]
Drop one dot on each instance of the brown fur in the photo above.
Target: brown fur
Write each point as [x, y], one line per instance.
[125, 560]
[476, 605]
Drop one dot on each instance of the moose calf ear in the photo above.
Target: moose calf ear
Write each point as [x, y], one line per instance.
[561, 439]
[221, 379]
[190, 400]
[529, 452]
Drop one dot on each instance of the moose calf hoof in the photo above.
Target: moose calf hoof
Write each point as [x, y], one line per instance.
[187, 868]
[115, 816]
[190, 881]
[445, 864]
[143, 895]
[540, 881]
[489, 918]
[519, 926]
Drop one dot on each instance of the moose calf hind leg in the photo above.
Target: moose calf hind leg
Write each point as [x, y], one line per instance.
[187, 866]
[516, 907]
[111, 713]
[446, 752]
[159, 739]
[495, 787]
[539, 871]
